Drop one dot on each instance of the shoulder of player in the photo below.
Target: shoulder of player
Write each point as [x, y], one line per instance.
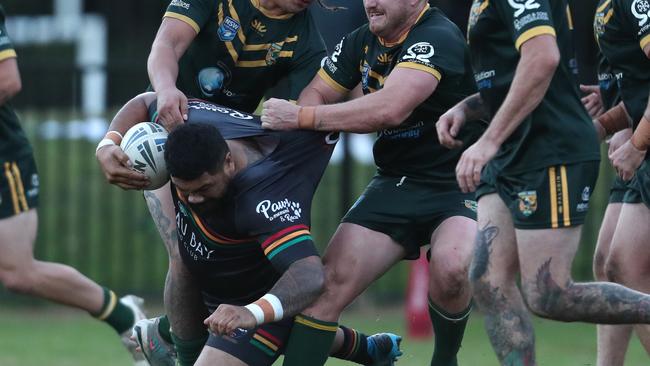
[437, 29]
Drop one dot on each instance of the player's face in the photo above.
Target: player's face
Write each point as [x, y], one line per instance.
[292, 6]
[204, 192]
[385, 17]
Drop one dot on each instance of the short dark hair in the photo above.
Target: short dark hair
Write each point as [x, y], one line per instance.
[193, 149]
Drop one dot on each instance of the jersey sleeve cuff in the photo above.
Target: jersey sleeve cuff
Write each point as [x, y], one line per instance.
[532, 33]
[644, 41]
[7, 54]
[417, 66]
[331, 82]
[183, 18]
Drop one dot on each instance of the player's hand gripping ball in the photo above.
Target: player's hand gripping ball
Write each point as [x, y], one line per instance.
[144, 144]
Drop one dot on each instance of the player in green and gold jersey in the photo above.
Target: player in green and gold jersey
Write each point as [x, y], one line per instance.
[533, 170]
[20, 272]
[623, 35]
[412, 64]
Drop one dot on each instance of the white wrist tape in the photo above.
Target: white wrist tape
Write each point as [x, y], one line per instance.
[104, 142]
[267, 309]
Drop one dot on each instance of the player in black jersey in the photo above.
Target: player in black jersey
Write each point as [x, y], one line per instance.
[242, 197]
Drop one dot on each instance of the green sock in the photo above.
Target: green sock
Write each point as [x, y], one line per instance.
[116, 314]
[188, 351]
[165, 329]
[449, 330]
[309, 342]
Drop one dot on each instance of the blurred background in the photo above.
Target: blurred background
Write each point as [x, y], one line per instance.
[80, 60]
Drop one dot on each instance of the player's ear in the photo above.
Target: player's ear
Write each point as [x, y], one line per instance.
[229, 164]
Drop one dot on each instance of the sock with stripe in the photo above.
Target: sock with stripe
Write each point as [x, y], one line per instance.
[119, 316]
[354, 347]
[164, 329]
[309, 342]
[188, 351]
[449, 330]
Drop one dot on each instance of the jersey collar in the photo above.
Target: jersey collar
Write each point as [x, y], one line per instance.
[256, 4]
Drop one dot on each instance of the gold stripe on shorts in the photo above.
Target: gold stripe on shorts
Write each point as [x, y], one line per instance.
[553, 190]
[566, 208]
[12, 187]
[21, 188]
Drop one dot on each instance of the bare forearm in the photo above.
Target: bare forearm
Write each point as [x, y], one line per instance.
[162, 66]
[311, 96]
[474, 108]
[133, 112]
[300, 285]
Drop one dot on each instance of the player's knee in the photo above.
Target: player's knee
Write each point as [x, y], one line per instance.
[16, 281]
[548, 302]
[452, 283]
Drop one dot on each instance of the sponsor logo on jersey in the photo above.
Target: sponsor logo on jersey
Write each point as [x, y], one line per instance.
[284, 210]
[337, 51]
[521, 6]
[484, 79]
[192, 242]
[641, 11]
[180, 4]
[228, 29]
[33, 191]
[211, 80]
[219, 109]
[258, 27]
[365, 72]
[527, 202]
[421, 51]
[384, 58]
[273, 53]
[413, 131]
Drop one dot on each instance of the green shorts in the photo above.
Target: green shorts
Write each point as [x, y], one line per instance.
[639, 187]
[550, 197]
[18, 186]
[409, 211]
[617, 192]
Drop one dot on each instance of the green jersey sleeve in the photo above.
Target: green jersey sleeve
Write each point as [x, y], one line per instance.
[6, 47]
[437, 50]
[341, 69]
[636, 13]
[526, 19]
[195, 13]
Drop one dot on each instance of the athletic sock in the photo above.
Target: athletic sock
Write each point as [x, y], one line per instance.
[449, 330]
[119, 316]
[188, 351]
[309, 342]
[164, 329]
[354, 347]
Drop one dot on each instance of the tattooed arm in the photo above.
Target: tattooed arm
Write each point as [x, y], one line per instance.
[469, 109]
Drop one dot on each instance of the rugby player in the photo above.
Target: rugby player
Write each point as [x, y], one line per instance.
[229, 52]
[242, 197]
[625, 43]
[19, 189]
[413, 65]
[533, 171]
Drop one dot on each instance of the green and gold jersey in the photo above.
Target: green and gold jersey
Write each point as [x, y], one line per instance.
[240, 51]
[624, 34]
[606, 78]
[559, 130]
[13, 143]
[434, 45]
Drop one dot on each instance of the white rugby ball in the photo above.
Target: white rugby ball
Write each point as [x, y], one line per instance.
[144, 144]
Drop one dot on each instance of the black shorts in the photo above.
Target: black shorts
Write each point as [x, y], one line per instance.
[639, 187]
[18, 186]
[409, 211]
[551, 197]
[256, 347]
[617, 192]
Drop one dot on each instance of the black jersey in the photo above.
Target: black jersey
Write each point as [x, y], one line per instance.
[262, 224]
[606, 78]
[13, 144]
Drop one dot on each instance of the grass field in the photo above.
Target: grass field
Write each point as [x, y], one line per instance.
[55, 337]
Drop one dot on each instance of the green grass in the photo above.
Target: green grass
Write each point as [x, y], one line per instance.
[56, 337]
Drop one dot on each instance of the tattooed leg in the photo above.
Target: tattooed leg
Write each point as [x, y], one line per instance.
[546, 257]
[493, 275]
[183, 301]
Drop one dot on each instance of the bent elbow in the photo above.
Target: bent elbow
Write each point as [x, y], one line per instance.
[549, 61]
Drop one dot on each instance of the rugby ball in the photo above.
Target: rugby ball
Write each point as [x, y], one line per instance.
[144, 144]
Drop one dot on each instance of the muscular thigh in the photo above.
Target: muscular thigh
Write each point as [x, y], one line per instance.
[631, 241]
[17, 236]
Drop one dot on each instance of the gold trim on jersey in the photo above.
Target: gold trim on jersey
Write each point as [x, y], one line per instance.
[12, 187]
[644, 41]
[183, 18]
[263, 63]
[532, 33]
[234, 15]
[20, 187]
[256, 5]
[403, 37]
[266, 46]
[7, 54]
[566, 208]
[417, 66]
[602, 7]
[231, 50]
[569, 17]
[331, 82]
